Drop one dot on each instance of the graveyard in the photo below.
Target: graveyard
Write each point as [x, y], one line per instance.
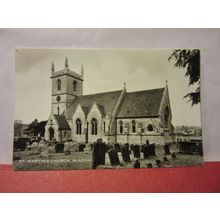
[81, 156]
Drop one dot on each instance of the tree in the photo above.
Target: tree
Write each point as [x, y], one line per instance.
[36, 128]
[41, 127]
[17, 128]
[189, 60]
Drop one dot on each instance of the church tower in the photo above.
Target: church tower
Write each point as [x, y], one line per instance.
[66, 85]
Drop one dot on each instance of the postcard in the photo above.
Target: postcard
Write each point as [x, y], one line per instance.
[107, 109]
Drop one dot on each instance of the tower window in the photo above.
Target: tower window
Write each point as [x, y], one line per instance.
[94, 126]
[104, 126]
[133, 126]
[74, 86]
[78, 126]
[58, 84]
[121, 127]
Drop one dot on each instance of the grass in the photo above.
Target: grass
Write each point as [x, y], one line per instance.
[25, 160]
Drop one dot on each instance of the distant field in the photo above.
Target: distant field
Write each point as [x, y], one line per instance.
[82, 160]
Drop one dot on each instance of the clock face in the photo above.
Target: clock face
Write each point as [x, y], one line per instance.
[58, 98]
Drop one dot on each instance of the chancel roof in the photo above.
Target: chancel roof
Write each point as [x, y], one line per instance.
[141, 104]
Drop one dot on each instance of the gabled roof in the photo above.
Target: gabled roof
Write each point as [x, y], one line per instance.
[85, 110]
[62, 122]
[141, 104]
[107, 100]
[101, 109]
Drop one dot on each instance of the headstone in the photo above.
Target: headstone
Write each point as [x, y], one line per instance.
[35, 150]
[146, 152]
[199, 147]
[166, 149]
[88, 147]
[98, 154]
[67, 148]
[117, 147]
[136, 151]
[147, 142]
[142, 147]
[149, 165]
[165, 159]
[125, 154]
[41, 144]
[51, 149]
[132, 147]
[152, 149]
[44, 153]
[34, 145]
[136, 164]
[173, 155]
[113, 157]
[59, 147]
[158, 163]
[81, 147]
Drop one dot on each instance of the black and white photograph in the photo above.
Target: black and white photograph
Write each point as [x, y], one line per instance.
[107, 108]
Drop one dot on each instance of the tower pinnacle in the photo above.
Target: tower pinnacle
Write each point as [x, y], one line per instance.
[52, 67]
[66, 63]
[82, 71]
[124, 85]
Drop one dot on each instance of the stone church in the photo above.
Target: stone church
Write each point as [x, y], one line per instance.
[116, 116]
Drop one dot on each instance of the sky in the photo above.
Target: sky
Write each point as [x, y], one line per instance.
[104, 70]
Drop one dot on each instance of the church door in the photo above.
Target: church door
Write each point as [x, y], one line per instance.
[51, 133]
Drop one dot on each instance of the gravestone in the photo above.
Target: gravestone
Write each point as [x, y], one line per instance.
[165, 159]
[173, 155]
[81, 147]
[167, 149]
[59, 147]
[132, 147]
[125, 154]
[67, 148]
[98, 154]
[199, 148]
[113, 157]
[136, 164]
[149, 165]
[117, 147]
[152, 149]
[41, 144]
[87, 147]
[136, 151]
[44, 153]
[146, 152]
[158, 163]
[142, 147]
[147, 142]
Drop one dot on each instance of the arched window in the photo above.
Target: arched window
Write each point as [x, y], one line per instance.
[150, 127]
[121, 127]
[58, 84]
[166, 116]
[64, 133]
[51, 133]
[94, 126]
[133, 124]
[78, 126]
[74, 86]
[104, 126]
